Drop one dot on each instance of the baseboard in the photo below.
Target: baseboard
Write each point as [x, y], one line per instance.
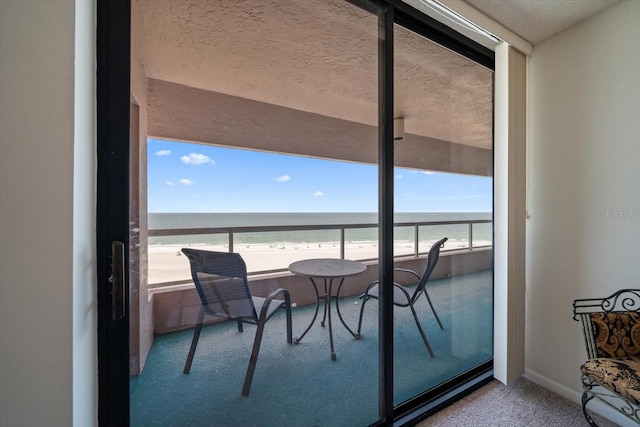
[575, 396]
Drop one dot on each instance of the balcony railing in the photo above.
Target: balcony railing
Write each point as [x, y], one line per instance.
[353, 241]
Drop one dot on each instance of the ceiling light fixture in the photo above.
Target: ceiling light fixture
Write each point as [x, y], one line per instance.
[398, 129]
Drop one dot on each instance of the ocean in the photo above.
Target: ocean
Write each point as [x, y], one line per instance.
[455, 232]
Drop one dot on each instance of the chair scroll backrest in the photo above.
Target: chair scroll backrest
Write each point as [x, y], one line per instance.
[221, 281]
[432, 260]
[611, 326]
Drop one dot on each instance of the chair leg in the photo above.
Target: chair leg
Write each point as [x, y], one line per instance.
[194, 341]
[287, 309]
[324, 316]
[586, 397]
[253, 361]
[424, 337]
[364, 301]
[433, 309]
[240, 329]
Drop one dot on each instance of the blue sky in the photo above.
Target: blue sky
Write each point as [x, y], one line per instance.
[186, 177]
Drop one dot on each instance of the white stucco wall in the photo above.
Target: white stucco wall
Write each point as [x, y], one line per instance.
[47, 285]
[584, 147]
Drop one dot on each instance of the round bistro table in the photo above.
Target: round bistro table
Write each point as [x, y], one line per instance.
[326, 269]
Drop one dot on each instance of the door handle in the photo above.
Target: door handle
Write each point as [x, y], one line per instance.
[117, 281]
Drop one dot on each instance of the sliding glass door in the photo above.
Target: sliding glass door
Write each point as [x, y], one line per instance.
[317, 147]
[443, 323]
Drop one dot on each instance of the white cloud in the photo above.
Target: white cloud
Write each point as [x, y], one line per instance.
[427, 172]
[185, 181]
[169, 183]
[197, 159]
[283, 178]
[318, 194]
[163, 152]
[398, 176]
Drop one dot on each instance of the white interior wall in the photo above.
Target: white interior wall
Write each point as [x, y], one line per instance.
[38, 204]
[584, 145]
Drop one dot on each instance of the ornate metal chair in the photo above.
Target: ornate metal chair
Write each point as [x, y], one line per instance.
[402, 297]
[611, 328]
[221, 281]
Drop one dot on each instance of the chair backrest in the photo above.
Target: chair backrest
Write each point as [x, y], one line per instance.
[432, 260]
[611, 325]
[221, 281]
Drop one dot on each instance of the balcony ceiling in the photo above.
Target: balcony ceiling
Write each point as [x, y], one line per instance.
[316, 57]
[321, 58]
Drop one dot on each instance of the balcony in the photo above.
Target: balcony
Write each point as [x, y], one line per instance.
[293, 381]
[300, 384]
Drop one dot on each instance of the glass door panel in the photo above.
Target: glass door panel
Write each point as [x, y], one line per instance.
[442, 189]
[261, 140]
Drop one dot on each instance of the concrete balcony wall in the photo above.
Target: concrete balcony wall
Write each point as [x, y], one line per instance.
[177, 307]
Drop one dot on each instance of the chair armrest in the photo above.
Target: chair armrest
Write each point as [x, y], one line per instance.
[277, 292]
[271, 297]
[396, 285]
[406, 270]
[403, 289]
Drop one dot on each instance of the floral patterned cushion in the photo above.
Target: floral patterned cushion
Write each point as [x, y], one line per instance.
[621, 375]
[617, 334]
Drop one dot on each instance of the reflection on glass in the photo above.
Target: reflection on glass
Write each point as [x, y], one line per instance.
[445, 101]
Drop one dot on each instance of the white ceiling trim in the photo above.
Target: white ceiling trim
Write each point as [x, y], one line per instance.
[488, 24]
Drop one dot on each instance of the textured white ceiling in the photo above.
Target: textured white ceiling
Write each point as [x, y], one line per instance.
[537, 20]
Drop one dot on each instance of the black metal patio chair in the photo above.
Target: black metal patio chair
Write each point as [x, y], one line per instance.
[403, 298]
[221, 281]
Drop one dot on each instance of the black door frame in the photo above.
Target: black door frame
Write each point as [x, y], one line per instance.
[112, 217]
[113, 195]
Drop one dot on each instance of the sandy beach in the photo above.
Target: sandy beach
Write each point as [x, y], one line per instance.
[167, 263]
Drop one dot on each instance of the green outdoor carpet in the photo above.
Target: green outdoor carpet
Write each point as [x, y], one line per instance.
[299, 384]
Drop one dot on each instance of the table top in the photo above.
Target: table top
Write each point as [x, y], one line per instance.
[327, 267]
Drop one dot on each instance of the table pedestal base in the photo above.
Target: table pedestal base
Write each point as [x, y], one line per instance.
[326, 298]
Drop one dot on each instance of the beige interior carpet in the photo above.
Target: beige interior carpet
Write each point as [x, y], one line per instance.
[521, 403]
